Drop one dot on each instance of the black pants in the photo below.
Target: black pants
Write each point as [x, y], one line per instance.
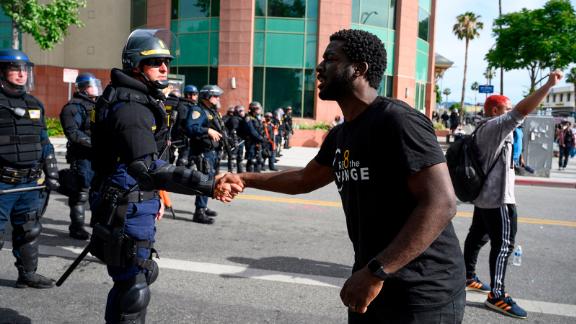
[564, 156]
[498, 226]
[451, 313]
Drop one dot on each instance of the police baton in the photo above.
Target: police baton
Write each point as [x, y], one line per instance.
[73, 266]
[7, 191]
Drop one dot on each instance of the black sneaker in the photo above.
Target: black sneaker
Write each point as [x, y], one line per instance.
[506, 306]
[33, 280]
[474, 284]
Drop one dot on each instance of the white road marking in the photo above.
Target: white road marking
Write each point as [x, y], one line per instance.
[293, 278]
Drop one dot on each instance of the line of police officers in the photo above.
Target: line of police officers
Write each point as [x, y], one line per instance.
[118, 145]
[119, 142]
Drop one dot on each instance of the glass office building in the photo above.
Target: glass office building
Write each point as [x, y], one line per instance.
[267, 50]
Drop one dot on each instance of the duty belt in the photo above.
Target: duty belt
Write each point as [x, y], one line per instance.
[13, 175]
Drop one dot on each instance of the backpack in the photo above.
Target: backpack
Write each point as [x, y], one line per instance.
[569, 138]
[465, 168]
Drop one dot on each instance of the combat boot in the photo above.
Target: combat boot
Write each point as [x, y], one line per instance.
[33, 280]
[210, 212]
[76, 227]
[201, 217]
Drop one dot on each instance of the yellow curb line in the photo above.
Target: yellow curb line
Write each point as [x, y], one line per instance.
[324, 203]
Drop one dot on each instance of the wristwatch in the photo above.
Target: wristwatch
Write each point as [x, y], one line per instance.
[377, 269]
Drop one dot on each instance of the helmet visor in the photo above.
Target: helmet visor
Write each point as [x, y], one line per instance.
[92, 87]
[20, 74]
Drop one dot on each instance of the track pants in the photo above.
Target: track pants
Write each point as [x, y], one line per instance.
[498, 226]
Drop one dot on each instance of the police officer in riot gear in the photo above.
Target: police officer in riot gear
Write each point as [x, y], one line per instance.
[254, 138]
[75, 120]
[129, 118]
[25, 151]
[233, 122]
[179, 137]
[205, 134]
[288, 130]
[269, 145]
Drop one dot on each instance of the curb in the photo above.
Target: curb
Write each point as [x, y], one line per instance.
[546, 183]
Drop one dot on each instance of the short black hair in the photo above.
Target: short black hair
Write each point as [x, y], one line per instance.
[361, 46]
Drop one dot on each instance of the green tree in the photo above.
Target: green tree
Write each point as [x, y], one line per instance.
[447, 92]
[571, 78]
[438, 94]
[467, 27]
[47, 23]
[537, 39]
[474, 87]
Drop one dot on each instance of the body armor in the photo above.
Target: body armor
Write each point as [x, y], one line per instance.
[21, 124]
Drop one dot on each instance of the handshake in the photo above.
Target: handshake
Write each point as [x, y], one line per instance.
[228, 186]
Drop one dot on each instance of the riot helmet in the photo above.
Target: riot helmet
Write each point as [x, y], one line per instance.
[210, 91]
[17, 71]
[255, 108]
[210, 95]
[190, 89]
[88, 84]
[149, 45]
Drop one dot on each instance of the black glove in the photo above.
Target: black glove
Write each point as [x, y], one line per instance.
[51, 172]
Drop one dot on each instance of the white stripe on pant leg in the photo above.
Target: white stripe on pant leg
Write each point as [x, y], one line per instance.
[504, 249]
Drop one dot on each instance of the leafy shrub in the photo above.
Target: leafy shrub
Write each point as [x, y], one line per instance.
[54, 127]
[439, 126]
[319, 126]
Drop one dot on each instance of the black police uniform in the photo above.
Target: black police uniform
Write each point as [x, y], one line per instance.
[25, 150]
[75, 120]
[128, 137]
[233, 125]
[288, 129]
[177, 109]
[254, 141]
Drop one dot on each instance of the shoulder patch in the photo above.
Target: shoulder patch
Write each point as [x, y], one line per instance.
[195, 114]
[34, 113]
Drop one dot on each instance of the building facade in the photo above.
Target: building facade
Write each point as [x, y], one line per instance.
[262, 50]
[561, 100]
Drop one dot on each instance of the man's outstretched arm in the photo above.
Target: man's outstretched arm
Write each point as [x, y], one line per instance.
[292, 182]
[530, 103]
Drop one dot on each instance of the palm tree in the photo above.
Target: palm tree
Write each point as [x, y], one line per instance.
[466, 27]
[489, 75]
[447, 92]
[474, 87]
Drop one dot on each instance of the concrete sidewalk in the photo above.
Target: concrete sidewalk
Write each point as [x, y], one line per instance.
[298, 157]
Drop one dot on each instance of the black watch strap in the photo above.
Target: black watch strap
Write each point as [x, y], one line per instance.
[377, 269]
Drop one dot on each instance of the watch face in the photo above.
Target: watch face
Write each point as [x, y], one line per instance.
[377, 270]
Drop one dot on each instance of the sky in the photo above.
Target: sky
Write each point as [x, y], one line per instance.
[516, 82]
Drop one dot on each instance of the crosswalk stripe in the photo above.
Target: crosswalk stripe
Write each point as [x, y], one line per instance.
[292, 278]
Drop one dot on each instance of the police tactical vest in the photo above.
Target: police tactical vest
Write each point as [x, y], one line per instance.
[21, 124]
[87, 107]
[105, 161]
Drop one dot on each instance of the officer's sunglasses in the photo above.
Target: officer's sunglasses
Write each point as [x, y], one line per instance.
[157, 62]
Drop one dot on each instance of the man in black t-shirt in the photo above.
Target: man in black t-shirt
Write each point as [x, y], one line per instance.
[395, 190]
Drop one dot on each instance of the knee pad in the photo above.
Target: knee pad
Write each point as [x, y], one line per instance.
[134, 300]
[27, 225]
[152, 272]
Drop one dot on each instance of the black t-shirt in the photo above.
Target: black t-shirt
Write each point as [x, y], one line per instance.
[372, 157]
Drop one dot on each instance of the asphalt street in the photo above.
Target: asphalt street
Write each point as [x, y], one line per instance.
[273, 258]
